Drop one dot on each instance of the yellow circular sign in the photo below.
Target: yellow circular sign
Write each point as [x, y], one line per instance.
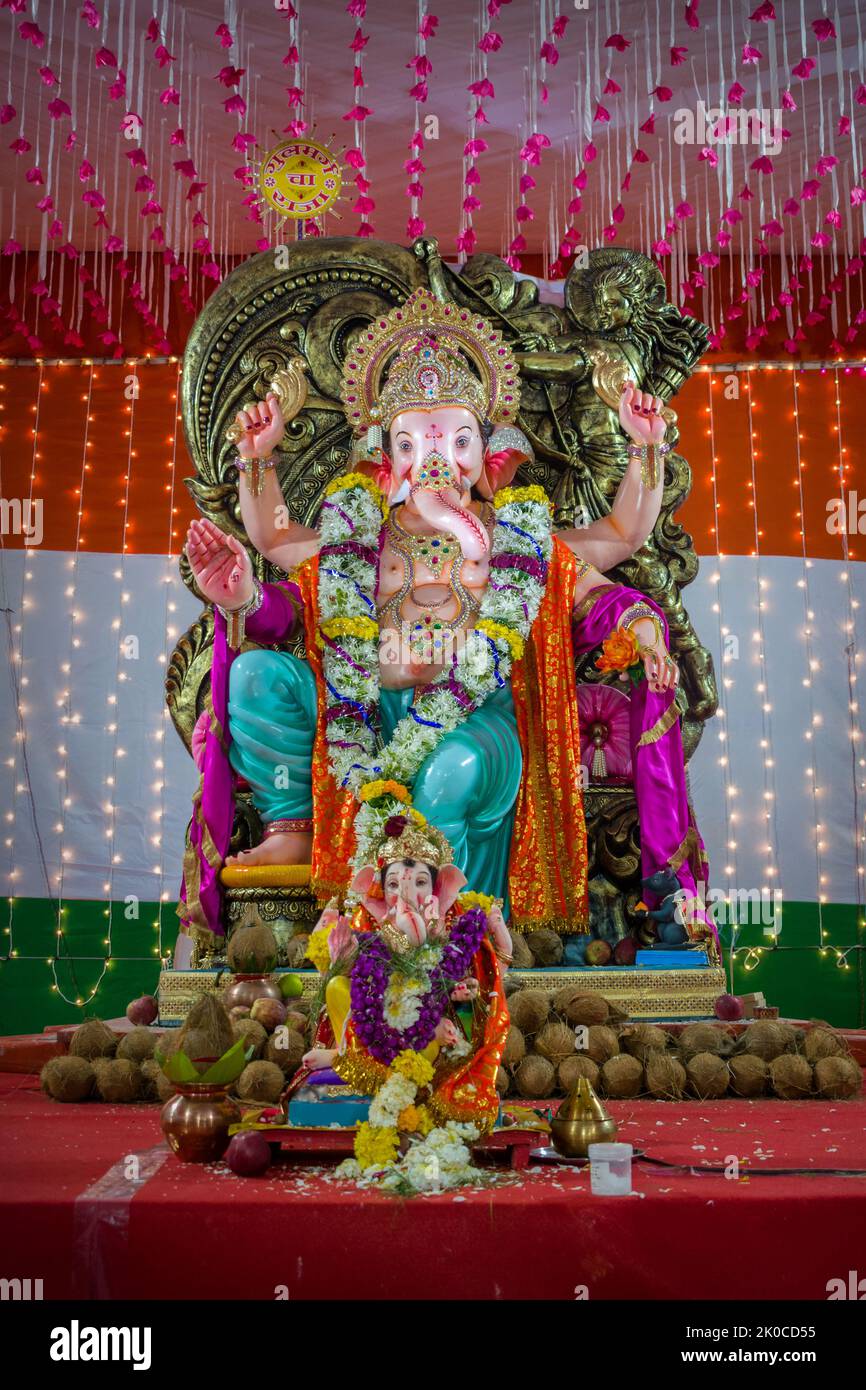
[300, 179]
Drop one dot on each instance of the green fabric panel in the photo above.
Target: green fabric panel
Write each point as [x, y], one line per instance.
[794, 976]
[27, 1002]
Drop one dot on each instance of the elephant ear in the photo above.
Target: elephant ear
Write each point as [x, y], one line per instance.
[364, 884]
[449, 881]
[500, 466]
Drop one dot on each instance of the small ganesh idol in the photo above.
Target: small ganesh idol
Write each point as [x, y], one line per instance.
[415, 975]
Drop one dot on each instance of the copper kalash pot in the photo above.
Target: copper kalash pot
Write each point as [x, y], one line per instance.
[248, 988]
[196, 1121]
[581, 1120]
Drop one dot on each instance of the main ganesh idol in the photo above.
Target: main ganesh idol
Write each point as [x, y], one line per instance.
[441, 614]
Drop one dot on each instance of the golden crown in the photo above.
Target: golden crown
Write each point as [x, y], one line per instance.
[423, 843]
[434, 345]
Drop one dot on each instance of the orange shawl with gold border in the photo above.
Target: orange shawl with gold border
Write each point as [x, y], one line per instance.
[547, 874]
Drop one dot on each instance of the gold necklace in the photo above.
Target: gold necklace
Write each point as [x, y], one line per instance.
[433, 550]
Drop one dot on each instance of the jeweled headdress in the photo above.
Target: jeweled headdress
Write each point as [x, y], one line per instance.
[403, 838]
[445, 356]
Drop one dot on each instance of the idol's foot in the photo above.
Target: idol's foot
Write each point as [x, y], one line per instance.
[290, 847]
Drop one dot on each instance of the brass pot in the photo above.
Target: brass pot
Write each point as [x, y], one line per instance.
[581, 1120]
[196, 1121]
[248, 988]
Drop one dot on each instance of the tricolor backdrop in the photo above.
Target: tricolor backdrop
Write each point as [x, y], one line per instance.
[96, 786]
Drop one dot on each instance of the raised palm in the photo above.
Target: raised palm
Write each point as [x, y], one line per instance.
[222, 568]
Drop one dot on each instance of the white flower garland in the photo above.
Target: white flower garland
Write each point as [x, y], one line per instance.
[349, 631]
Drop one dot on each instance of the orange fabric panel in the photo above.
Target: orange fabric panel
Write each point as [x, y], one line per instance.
[159, 508]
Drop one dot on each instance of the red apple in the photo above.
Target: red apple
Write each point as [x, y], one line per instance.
[143, 1011]
[270, 1013]
[248, 1154]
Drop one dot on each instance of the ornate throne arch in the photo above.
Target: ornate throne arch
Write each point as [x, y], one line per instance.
[298, 310]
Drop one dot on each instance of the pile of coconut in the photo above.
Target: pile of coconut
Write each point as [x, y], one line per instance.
[554, 1039]
[122, 1068]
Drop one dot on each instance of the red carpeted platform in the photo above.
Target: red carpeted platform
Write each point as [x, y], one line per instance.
[93, 1204]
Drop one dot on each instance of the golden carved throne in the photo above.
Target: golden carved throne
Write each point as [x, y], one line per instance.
[300, 309]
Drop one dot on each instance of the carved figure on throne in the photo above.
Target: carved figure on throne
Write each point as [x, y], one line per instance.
[441, 612]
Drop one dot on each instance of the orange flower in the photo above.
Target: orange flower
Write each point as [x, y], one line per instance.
[620, 651]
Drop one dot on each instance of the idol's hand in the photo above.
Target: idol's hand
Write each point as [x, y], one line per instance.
[465, 990]
[498, 930]
[222, 568]
[263, 428]
[661, 670]
[446, 1033]
[640, 415]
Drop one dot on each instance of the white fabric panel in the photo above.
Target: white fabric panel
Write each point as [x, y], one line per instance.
[93, 752]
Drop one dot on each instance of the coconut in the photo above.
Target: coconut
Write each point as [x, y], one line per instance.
[503, 1081]
[665, 1076]
[570, 1071]
[555, 1042]
[522, 957]
[155, 1086]
[837, 1078]
[791, 1077]
[529, 1009]
[295, 1019]
[238, 1011]
[601, 1043]
[535, 1077]
[286, 1048]
[252, 950]
[67, 1078]
[211, 1026]
[296, 949]
[168, 1042]
[92, 1039]
[748, 1075]
[578, 1007]
[823, 1042]
[707, 1075]
[763, 1038]
[261, 1081]
[252, 1033]
[622, 1077]
[515, 1047]
[118, 1081]
[702, 1037]
[640, 1039]
[546, 947]
[789, 1035]
[138, 1044]
[196, 1045]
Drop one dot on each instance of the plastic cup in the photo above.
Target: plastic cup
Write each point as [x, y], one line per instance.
[610, 1169]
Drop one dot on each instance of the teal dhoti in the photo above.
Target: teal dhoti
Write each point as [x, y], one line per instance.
[467, 786]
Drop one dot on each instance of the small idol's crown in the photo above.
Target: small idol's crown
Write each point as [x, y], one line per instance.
[404, 839]
[429, 373]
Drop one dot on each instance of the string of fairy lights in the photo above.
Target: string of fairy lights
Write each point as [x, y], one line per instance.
[164, 868]
[727, 680]
[68, 715]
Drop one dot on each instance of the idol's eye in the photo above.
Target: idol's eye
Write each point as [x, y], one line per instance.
[463, 442]
[405, 446]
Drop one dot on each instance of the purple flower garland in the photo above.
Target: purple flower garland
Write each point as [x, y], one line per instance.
[371, 975]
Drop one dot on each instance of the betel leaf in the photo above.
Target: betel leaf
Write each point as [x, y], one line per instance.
[228, 1067]
[178, 1068]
